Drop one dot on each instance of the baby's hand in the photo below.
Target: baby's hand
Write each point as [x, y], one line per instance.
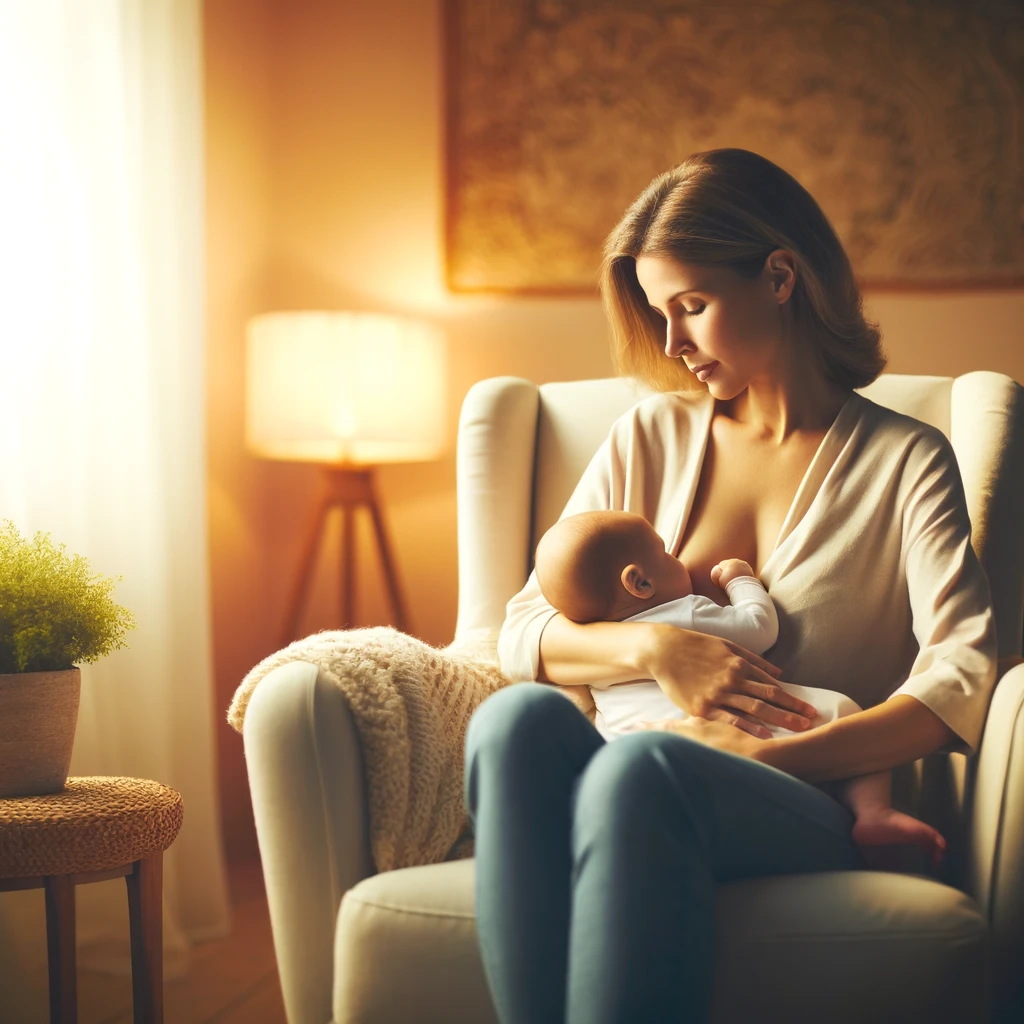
[728, 570]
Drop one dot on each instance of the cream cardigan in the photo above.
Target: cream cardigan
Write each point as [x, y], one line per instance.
[876, 585]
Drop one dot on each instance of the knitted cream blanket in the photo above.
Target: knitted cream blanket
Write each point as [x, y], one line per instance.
[411, 704]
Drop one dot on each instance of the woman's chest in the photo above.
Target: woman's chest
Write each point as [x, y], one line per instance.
[744, 493]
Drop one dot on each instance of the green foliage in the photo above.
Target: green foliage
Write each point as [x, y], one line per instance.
[54, 612]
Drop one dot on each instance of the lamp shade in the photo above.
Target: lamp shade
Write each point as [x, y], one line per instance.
[346, 388]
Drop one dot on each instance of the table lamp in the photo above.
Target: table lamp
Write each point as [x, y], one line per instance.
[350, 391]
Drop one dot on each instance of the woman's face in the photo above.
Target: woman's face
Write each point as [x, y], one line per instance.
[718, 320]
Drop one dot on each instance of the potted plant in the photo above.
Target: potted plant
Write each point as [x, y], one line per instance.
[54, 614]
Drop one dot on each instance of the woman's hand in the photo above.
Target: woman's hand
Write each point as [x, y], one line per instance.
[721, 681]
[712, 734]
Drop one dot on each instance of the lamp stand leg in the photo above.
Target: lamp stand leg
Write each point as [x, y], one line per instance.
[348, 563]
[387, 560]
[349, 490]
[301, 584]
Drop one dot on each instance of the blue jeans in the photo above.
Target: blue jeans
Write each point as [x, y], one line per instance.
[596, 863]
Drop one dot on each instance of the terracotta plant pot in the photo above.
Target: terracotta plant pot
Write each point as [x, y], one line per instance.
[38, 715]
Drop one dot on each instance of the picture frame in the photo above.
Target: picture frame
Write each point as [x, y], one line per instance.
[903, 120]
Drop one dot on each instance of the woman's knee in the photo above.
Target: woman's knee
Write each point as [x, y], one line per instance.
[517, 718]
[627, 783]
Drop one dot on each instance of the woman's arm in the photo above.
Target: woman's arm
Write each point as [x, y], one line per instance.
[895, 732]
[704, 675]
[597, 654]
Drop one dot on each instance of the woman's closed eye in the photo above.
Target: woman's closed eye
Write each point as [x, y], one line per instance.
[686, 312]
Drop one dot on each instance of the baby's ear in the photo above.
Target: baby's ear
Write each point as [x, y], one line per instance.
[636, 583]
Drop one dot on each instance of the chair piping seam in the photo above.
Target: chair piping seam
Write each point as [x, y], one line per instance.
[377, 905]
[930, 934]
[324, 814]
[894, 936]
[998, 844]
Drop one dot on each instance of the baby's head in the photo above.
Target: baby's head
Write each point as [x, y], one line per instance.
[606, 566]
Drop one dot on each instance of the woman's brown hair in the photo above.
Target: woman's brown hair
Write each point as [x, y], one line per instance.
[731, 207]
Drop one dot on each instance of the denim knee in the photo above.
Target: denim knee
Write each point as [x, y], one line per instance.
[513, 720]
[626, 787]
[517, 738]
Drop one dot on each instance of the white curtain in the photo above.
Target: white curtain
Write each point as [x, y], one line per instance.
[102, 435]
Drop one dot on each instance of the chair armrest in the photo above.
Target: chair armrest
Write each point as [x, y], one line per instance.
[996, 866]
[308, 793]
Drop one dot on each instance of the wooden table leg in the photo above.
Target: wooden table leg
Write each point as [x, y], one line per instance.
[60, 948]
[145, 913]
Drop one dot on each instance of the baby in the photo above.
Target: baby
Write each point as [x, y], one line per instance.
[613, 566]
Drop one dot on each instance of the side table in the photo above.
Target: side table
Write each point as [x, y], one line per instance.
[98, 827]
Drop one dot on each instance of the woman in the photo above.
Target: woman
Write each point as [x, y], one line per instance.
[729, 295]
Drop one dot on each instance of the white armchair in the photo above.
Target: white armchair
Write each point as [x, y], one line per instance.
[401, 946]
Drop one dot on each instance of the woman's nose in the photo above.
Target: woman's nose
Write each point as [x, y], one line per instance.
[676, 342]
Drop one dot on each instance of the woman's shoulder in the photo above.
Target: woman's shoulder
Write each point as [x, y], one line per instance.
[899, 435]
[903, 455]
[667, 410]
[662, 430]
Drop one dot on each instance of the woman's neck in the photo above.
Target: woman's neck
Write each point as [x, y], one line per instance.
[791, 397]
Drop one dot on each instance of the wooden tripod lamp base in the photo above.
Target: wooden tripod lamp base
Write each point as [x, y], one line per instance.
[348, 489]
[347, 389]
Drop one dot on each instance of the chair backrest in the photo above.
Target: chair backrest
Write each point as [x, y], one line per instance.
[572, 420]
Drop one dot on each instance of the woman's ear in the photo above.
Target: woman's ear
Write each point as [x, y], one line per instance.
[636, 583]
[782, 274]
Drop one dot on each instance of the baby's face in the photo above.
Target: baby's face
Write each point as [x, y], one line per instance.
[667, 574]
[671, 579]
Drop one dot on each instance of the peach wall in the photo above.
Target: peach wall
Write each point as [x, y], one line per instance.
[324, 140]
[237, 35]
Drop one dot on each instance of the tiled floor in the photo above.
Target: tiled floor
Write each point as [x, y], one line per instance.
[229, 981]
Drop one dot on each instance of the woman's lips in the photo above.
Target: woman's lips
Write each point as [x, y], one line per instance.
[703, 374]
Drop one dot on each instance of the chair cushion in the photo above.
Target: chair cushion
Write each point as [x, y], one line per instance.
[837, 946]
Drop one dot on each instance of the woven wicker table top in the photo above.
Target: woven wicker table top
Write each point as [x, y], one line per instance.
[95, 824]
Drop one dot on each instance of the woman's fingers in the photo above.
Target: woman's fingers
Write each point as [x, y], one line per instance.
[770, 692]
[729, 718]
[764, 712]
[755, 659]
[760, 676]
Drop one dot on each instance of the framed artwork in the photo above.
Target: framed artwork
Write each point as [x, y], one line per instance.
[902, 118]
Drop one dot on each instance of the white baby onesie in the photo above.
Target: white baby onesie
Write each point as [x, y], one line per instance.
[750, 620]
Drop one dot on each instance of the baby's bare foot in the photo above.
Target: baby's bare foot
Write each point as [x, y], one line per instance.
[889, 827]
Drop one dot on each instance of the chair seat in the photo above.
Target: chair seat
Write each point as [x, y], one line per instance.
[837, 946]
